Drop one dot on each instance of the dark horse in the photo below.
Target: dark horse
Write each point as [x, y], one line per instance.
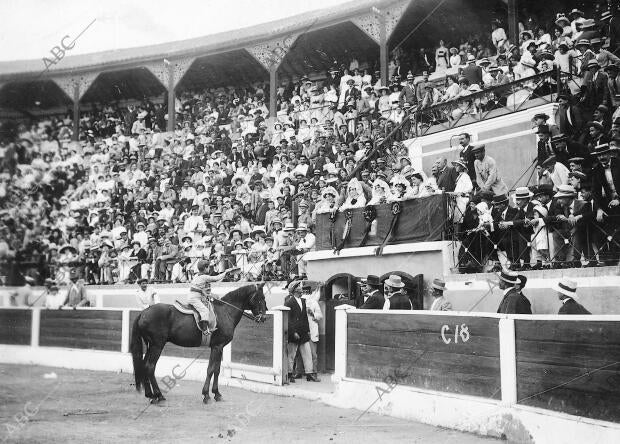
[397, 302]
[161, 323]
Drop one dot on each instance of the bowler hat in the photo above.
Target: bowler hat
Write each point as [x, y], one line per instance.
[371, 279]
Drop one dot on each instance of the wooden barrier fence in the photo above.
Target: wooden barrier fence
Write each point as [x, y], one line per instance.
[568, 364]
[257, 352]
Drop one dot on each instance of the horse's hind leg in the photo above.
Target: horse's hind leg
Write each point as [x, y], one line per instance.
[205, 387]
[152, 356]
[148, 391]
[216, 356]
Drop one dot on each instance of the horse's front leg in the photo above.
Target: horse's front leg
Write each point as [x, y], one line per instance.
[216, 355]
[205, 387]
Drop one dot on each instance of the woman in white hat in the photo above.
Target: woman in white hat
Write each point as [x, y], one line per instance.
[328, 202]
[355, 196]
[380, 193]
[567, 293]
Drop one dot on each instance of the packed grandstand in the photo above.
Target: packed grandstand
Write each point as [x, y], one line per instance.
[125, 199]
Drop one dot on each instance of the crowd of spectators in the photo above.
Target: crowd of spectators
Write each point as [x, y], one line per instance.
[241, 188]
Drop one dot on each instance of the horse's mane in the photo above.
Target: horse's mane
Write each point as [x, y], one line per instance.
[240, 293]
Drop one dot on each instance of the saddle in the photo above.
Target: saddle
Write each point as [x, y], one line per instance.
[190, 310]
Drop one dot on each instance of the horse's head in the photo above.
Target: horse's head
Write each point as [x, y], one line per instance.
[257, 303]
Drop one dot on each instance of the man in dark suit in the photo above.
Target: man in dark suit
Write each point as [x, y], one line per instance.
[298, 332]
[513, 302]
[568, 116]
[371, 296]
[446, 175]
[605, 188]
[569, 219]
[408, 93]
[504, 235]
[567, 290]
[467, 155]
[473, 72]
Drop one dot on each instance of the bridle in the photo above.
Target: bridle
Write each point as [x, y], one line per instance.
[243, 313]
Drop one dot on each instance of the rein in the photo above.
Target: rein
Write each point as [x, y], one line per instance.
[243, 313]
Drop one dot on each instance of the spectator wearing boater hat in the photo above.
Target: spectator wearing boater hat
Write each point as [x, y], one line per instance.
[513, 301]
[440, 303]
[567, 294]
[569, 220]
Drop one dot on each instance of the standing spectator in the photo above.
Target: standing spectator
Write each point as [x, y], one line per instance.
[76, 296]
[145, 297]
[513, 301]
[473, 72]
[315, 316]
[446, 175]
[439, 301]
[567, 293]
[498, 36]
[487, 176]
[298, 333]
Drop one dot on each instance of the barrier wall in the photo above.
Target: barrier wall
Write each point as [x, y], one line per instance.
[98, 339]
[124, 296]
[520, 377]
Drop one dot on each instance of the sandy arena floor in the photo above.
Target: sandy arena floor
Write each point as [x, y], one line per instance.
[101, 407]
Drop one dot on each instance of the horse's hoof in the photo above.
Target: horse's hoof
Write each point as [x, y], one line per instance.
[205, 400]
[161, 398]
[218, 397]
[155, 401]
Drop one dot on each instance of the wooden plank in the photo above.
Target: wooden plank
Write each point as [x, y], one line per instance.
[412, 348]
[81, 314]
[421, 371]
[201, 352]
[84, 329]
[253, 343]
[81, 343]
[572, 367]
[15, 326]
[579, 332]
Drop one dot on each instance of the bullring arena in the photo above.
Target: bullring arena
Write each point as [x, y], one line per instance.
[368, 221]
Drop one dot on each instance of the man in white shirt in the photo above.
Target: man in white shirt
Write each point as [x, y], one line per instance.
[145, 297]
[306, 243]
[187, 192]
[141, 236]
[553, 172]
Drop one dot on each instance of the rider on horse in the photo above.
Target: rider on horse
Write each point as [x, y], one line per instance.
[200, 296]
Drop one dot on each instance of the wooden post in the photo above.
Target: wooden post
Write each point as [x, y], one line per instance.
[125, 330]
[35, 327]
[76, 111]
[383, 51]
[340, 337]
[171, 102]
[273, 89]
[513, 22]
[508, 361]
[280, 341]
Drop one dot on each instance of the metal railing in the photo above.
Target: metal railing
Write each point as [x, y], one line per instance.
[251, 267]
[491, 102]
[540, 243]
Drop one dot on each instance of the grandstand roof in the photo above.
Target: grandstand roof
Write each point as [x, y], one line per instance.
[200, 46]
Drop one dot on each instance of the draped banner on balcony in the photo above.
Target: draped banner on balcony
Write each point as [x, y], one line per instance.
[421, 220]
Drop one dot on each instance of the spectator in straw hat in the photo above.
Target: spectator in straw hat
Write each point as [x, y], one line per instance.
[439, 302]
[513, 301]
[567, 293]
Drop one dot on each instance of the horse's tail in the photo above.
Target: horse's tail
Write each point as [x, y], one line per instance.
[136, 353]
